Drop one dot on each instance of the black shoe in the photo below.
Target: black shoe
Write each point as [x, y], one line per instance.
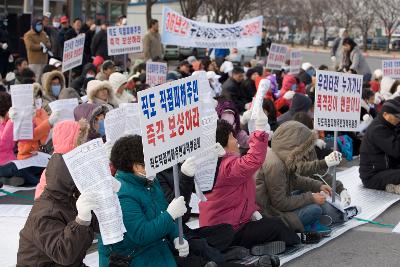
[268, 261]
[271, 248]
[236, 253]
[311, 238]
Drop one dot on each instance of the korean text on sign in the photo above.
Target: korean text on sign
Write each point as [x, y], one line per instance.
[337, 101]
[156, 73]
[73, 52]
[276, 57]
[295, 62]
[170, 122]
[124, 40]
[178, 30]
[391, 68]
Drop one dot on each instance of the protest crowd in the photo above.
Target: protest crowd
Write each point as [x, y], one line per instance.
[267, 196]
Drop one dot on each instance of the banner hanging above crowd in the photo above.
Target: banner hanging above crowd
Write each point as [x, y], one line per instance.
[181, 31]
[170, 121]
[337, 101]
[123, 40]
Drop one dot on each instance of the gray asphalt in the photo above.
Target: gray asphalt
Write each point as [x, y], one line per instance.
[319, 58]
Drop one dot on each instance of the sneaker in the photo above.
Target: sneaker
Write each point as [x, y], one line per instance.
[393, 188]
[270, 248]
[351, 212]
[268, 261]
[236, 253]
[317, 227]
[13, 181]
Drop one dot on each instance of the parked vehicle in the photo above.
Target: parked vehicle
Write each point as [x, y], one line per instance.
[171, 52]
[185, 52]
[318, 41]
[241, 55]
[395, 45]
[379, 43]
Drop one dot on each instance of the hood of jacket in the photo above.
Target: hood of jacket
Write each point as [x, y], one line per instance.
[300, 103]
[87, 68]
[69, 134]
[94, 86]
[46, 82]
[59, 181]
[89, 112]
[68, 93]
[386, 86]
[291, 142]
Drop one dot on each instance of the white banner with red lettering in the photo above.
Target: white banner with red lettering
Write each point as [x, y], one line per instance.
[295, 62]
[73, 52]
[156, 73]
[123, 40]
[277, 56]
[391, 68]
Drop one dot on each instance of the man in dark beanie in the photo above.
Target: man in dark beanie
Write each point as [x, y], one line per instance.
[380, 150]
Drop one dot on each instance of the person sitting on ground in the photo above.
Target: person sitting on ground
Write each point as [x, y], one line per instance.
[42, 124]
[107, 68]
[60, 227]
[149, 220]
[94, 114]
[6, 130]
[367, 105]
[290, 86]
[20, 64]
[380, 150]
[101, 92]
[183, 69]
[300, 103]
[53, 83]
[376, 79]
[295, 198]
[118, 82]
[88, 73]
[232, 199]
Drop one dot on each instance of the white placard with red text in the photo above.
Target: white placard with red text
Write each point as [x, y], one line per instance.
[123, 40]
[170, 121]
[337, 101]
[277, 56]
[73, 52]
[156, 73]
[391, 68]
[295, 62]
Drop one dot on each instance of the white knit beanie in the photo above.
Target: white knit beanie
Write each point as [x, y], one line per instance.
[116, 80]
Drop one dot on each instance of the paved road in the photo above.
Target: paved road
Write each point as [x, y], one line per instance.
[319, 58]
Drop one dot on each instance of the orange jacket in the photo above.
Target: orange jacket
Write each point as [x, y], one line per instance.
[27, 148]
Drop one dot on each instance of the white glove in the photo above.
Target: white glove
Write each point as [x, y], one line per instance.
[219, 150]
[289, 95]
[320, 143]
[367, 118]
[247, 106]
[264, 86]
[12, 113]
[54, 117]
[188, 168]
[85, 205]
[4, 46]
[177, 208]
[345, 197]
[256, 216]
[182, 249]
[244, 119]
[378, 98]
[42, 45]
[333, 59]
[116, 185]
[261, 123]
[333, 159]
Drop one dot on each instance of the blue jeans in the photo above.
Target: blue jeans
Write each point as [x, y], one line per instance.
[31, 175]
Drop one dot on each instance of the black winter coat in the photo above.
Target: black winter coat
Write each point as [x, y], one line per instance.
[232, 90]
[380, 148]
[99, 45]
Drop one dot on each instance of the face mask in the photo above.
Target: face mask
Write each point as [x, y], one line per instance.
[38, 103]
[55, 89]
[38, 27]
[124, 21]
[245, 69]
[56, 24]
[88, 76]
[371, 105]
[293, 87]
[102, 130]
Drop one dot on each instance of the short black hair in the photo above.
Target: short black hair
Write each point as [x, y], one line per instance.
[323, 67]
[5, 103]
[28, 73]
[304, 118]
[126, 152]
[153, 22]
[108, 64]
[18, 61]
[269, 106]
[224, 129]
[237, 70]
[75, 19]
[367, 94]
[350, 42]
[48, 68]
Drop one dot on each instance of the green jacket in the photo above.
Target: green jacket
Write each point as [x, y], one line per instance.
[149, 228]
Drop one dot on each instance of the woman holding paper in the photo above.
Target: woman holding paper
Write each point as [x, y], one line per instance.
[149, 220]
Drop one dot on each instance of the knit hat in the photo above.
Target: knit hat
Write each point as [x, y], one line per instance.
[97, 61]
[392, 107]
[116, 80]
[306, 65]
[378, 74]
[69, 134]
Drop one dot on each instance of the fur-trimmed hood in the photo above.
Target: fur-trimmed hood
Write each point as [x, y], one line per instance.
[292, 141]
[94, 86]
[46, 82]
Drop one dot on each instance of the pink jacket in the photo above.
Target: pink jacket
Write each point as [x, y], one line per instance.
[6, 142]
[233, 198]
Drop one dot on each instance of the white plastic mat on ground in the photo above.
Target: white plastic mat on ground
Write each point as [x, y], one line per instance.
[372, 202]
[13, 189]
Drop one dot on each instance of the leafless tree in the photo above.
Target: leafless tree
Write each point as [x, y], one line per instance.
[275, 12]
[364, 12]
[342, 12]
[190, 7]
[323, 14]
[388, 13]
[231, 11]
[149, 5]
[309, 15]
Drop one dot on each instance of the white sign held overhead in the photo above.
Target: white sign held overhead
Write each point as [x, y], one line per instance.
[73, 52]
[22, 102]
[277, 56]
[123, 40]
[170, 121]
[337, 101]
